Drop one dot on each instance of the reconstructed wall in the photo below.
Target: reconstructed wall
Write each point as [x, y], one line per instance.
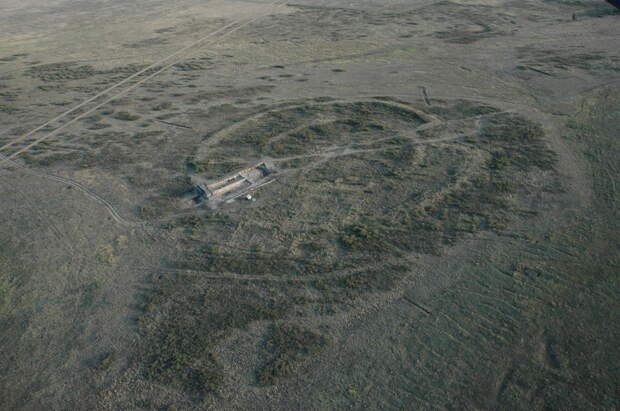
[242, 177]
[230, 187]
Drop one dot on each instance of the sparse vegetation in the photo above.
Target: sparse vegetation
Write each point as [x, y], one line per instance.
[166, 105]
[180, 344]
[288, 346]
[105, 361]
[61, 72]
[126, 116]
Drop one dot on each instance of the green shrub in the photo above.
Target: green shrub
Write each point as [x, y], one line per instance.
[126, 116]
